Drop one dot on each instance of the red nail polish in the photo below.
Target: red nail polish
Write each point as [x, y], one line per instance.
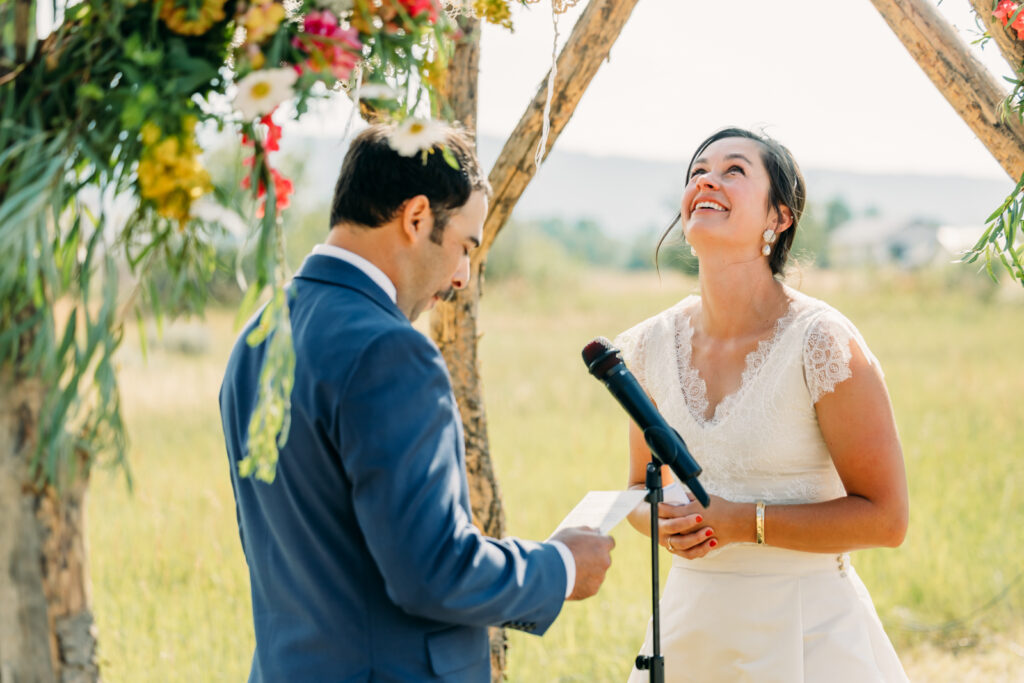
[699, 519]
[713, 543]
[708, 532]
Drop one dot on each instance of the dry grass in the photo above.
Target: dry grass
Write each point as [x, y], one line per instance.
[170, 583]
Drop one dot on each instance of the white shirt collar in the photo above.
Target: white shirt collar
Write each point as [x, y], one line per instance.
[371, 271]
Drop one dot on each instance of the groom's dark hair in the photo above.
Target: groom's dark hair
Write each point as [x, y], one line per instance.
[375, 180]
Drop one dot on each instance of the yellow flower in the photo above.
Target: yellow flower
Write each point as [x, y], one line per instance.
[434, 72]
[494, 11]
[191, 17]
[262, 19]
[166, 151]
[256, 58]
[150, 133]
[170, 174]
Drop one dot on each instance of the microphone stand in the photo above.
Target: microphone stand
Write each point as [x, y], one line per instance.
[655, 663]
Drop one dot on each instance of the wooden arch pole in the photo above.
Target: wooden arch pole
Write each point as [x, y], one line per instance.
[976, 95]
[453, 325]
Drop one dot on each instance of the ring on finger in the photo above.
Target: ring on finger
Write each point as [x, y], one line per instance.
[671, 548]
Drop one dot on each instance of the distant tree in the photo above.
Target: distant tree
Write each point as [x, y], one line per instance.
[640, 252]
[529, 252]
[585, 239]
[811, 242]
[837, 212]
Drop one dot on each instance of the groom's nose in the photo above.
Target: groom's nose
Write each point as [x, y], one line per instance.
[461, 277]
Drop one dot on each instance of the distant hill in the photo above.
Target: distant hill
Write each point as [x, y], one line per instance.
[627, 196]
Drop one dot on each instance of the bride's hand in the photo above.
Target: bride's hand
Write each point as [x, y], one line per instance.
[683, 530]
[691, 531]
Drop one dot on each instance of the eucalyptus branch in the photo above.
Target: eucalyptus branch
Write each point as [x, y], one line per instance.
[999, 241]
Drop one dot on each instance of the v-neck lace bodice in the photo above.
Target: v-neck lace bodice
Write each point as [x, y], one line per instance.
[763, 441]
[693, 385]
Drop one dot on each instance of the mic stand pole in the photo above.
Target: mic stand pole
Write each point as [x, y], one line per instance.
[655, 662]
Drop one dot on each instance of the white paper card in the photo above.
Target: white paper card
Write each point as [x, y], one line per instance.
[676, 494]
[602, 510]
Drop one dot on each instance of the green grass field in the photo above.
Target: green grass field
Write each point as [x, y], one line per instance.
[170, 587]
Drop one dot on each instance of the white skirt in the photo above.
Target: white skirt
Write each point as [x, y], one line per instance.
[753, 613]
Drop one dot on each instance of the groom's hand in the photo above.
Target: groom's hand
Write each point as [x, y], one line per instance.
[593, 555]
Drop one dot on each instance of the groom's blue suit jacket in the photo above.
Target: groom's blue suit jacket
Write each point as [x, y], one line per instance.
[363, 559]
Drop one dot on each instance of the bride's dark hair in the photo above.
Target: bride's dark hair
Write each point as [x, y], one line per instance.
[787, 188]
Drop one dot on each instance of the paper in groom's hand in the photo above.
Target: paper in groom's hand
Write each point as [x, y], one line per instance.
[602, 510]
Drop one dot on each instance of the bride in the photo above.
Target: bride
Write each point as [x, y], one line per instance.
[785, 408]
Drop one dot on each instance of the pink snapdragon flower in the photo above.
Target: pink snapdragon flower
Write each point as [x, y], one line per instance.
[329, 46]
[415, 7]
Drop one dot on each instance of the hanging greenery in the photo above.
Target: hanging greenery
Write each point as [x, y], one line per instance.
[999, 242]
[101, 176]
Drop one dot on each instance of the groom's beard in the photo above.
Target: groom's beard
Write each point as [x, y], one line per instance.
[446, 295]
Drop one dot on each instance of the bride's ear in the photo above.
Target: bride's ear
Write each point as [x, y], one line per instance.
[785, 219]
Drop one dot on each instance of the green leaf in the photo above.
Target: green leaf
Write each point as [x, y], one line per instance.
[449, 157]
[248, 306]
[133, 115]
[91, 91]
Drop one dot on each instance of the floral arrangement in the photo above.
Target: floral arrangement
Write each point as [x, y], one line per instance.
[1006, 11]
[289, 51]
[111, 100]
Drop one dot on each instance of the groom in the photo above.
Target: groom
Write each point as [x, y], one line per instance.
[364, 561]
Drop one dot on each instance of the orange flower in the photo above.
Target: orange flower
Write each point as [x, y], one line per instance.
[184, 17]
[262, 19]
[1004, 10]
[283, 189]
[1018, 24]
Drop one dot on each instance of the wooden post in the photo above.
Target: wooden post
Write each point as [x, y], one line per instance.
[966, 84]
[46, 625]
[453, 328]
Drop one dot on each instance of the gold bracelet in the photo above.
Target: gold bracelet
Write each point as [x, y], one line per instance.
[760, 522]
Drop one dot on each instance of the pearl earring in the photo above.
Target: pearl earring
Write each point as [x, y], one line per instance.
[769, 237]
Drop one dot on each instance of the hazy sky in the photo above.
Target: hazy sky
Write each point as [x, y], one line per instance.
[828, 79]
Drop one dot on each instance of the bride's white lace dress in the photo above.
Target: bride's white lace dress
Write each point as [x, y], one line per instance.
[747, 612]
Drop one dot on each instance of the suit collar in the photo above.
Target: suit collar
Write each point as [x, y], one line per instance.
[334, 271]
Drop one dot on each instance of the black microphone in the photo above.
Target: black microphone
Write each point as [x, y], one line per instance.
[604, 362]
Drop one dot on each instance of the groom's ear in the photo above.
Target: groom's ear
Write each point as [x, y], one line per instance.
[416, 218]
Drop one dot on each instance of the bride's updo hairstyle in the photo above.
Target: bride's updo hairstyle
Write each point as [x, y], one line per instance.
[787, 188]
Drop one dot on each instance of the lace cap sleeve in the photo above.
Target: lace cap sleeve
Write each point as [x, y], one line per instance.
[827, 352]
[633, 345]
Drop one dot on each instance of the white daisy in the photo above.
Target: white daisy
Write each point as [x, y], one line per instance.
[415, 135]
[261, 91]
